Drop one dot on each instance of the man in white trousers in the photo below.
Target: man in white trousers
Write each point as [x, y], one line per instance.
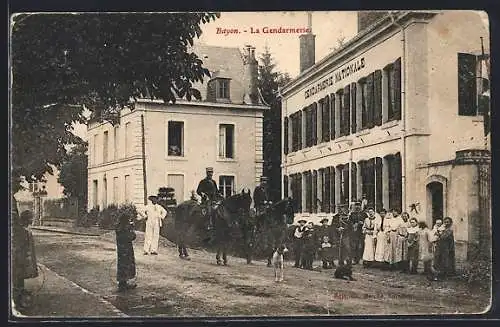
[154, 214]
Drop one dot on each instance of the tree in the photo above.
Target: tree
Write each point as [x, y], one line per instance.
[73, 174]
[63, 63]
[340, 43]
[269, 83]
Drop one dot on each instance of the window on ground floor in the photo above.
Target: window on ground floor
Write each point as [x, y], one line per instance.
[226, 186]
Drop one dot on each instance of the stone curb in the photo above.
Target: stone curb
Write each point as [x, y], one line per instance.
[62, 231]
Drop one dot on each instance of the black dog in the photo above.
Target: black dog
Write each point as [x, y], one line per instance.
[344, 272]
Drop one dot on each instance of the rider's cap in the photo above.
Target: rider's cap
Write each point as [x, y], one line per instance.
[210, 169]
[302, 221]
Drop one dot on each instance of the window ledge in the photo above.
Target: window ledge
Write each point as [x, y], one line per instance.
[223, 100]
[177, 158]
[362, 133]
[478, 119]
[323, 145]
[226, 160]
[306, 150]
[390, 124]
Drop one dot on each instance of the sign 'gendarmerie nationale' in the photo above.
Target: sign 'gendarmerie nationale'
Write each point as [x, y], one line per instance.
[336, 77]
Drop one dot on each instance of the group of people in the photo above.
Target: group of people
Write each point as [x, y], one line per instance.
[154, 214]
[387, 240]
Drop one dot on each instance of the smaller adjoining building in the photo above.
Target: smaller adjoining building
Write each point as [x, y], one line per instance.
[159, 144]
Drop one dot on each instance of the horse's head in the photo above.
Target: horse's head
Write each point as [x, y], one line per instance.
[245, 200]
[236, 206]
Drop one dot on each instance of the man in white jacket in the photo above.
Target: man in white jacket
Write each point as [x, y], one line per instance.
[154, 215]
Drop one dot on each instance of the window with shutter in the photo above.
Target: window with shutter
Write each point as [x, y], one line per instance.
[285, 135]
[332, 116]
[364, 110]
[314, 195]
[325, 119]
[345, 184]
[353, 107]
[307, 126]
[354, 185]
[341, 118]
[368, 180]
[299, 130]
[314, 114]
[397, 88]
[378, 183]
[369, 101]
[392, 185]
[377, 98]
[321, 187]
[346, 110]
[327, 188]
[308, 179]
[467, 91]
[299, 192]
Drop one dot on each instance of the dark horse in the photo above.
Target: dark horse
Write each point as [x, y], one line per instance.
[273, 223]
[228, 213]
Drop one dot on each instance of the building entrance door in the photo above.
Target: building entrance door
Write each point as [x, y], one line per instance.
[176, 181]
[435, 203]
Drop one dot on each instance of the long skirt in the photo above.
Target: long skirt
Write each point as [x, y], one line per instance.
[401, 249]
[370, 247]
[380, 247]
[393, 249]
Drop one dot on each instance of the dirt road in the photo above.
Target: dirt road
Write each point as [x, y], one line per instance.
[169, 286]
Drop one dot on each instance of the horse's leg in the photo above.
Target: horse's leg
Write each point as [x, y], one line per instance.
[217, 256]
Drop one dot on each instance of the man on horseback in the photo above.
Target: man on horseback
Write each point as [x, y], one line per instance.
[208, 191]
[261, 205]
[261, 196]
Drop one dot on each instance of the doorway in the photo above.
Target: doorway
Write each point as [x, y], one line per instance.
[436, 203]
[176, 181]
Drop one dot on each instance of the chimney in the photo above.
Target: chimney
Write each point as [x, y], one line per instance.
[367, 18]
[251, 74]
[307, 46]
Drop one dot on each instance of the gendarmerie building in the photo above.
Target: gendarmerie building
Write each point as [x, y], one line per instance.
[394, 116]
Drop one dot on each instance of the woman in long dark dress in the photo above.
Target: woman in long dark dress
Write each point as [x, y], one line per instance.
[125, 272]
[445, 251]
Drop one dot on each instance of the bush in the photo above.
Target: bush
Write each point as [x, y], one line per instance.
[108, 217]
[88, 219]
[478, 272]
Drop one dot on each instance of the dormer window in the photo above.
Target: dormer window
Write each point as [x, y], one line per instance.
[222, 85]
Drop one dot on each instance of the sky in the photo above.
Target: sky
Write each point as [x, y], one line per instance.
[328, 26]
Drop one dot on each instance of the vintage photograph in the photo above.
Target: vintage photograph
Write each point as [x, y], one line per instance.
[250, 164]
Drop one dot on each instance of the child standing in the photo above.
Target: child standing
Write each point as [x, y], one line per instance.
[327, 253]
[425, 239]
[413, 241]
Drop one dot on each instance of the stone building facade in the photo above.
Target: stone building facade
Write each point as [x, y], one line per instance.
[392, 116]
